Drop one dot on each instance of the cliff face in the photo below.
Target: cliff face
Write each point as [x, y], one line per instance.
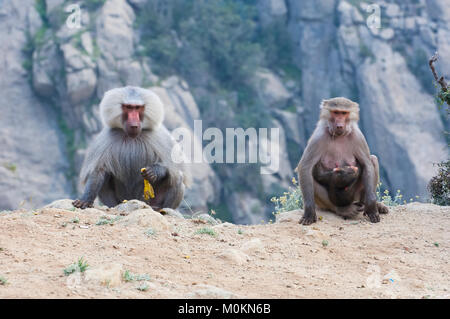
[53, 78]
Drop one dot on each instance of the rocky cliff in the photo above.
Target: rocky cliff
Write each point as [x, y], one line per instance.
[53, 78]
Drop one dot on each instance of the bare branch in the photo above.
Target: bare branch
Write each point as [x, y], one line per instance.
[440, 80]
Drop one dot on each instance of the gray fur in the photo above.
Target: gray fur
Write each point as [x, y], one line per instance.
[114, 159]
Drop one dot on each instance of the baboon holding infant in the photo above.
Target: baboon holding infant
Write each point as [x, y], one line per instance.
[133, 137]
[336, 171]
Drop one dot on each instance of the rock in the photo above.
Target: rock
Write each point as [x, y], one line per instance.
[52, 4]
[252, 246]
[246, 209]
[312, 233]
[147, 218]
[34, 22]
[210, 292]
[65, 204]
[348, 14]
[181, 111]
[114, 27]
[180, 106]
[387, 33]
[94, 211]
[81, 85]
[171, 212]
[271, 10]
[443, 48]
[74, 59]
[394, 134]
[25, 147]
[138, 3]
[224, 225]
[392, 10]
[270, 89]
[130, 206]
[292, 216]
[438, 9]
[206, 218]
[310, 9]
[46, 63]
[290, 123]
[234, 256]
[107, 275]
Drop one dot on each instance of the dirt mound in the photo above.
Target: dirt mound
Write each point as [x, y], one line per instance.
[134, 252]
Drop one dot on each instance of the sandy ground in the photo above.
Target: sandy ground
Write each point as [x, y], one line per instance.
[404, 256]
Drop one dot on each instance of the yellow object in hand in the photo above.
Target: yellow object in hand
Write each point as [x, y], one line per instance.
[149, 192]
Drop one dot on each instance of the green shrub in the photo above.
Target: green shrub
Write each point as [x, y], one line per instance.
[207, 231]
[439, 185]
[291, 200]
[81, 265]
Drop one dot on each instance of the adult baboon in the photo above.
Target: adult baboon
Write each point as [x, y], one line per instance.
[133, 137]
[336, 170]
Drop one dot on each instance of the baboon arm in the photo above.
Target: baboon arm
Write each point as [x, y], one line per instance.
[309, 159]
[174, 195]
[93, 186]
[368, 178]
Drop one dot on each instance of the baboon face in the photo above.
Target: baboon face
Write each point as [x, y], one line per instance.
[132, 116]
[338, 122]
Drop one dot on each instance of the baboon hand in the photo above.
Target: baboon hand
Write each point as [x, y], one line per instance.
[82, 204]
[150, 173]
[308, 217]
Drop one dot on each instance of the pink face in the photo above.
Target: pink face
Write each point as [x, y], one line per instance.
[339, 120]
[132, 116]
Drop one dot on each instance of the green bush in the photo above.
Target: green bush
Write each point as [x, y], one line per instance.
[439, 185]
[291, 200]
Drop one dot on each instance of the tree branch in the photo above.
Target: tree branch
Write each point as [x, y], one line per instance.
[440, 80]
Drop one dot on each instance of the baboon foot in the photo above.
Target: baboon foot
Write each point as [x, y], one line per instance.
[382, 209]
[308, 219]
[82, 204]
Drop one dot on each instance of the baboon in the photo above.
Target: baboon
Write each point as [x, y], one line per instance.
[133, 137]
[336, 171]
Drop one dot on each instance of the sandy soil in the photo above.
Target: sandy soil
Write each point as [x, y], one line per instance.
[403, 256]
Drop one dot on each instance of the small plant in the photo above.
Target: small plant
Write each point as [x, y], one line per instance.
[143, 287]
[75, 220]
[128, 276]
[240, 232]
[387, 199]
[439, 185]
[10, 166]
[207, 231]
[325, 243]
[290, 200]
[70, 269]
[104, 220]
[149, 232]
[3, 281]
[81, 265]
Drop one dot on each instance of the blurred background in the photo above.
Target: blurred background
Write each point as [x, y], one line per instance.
[231, 63]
